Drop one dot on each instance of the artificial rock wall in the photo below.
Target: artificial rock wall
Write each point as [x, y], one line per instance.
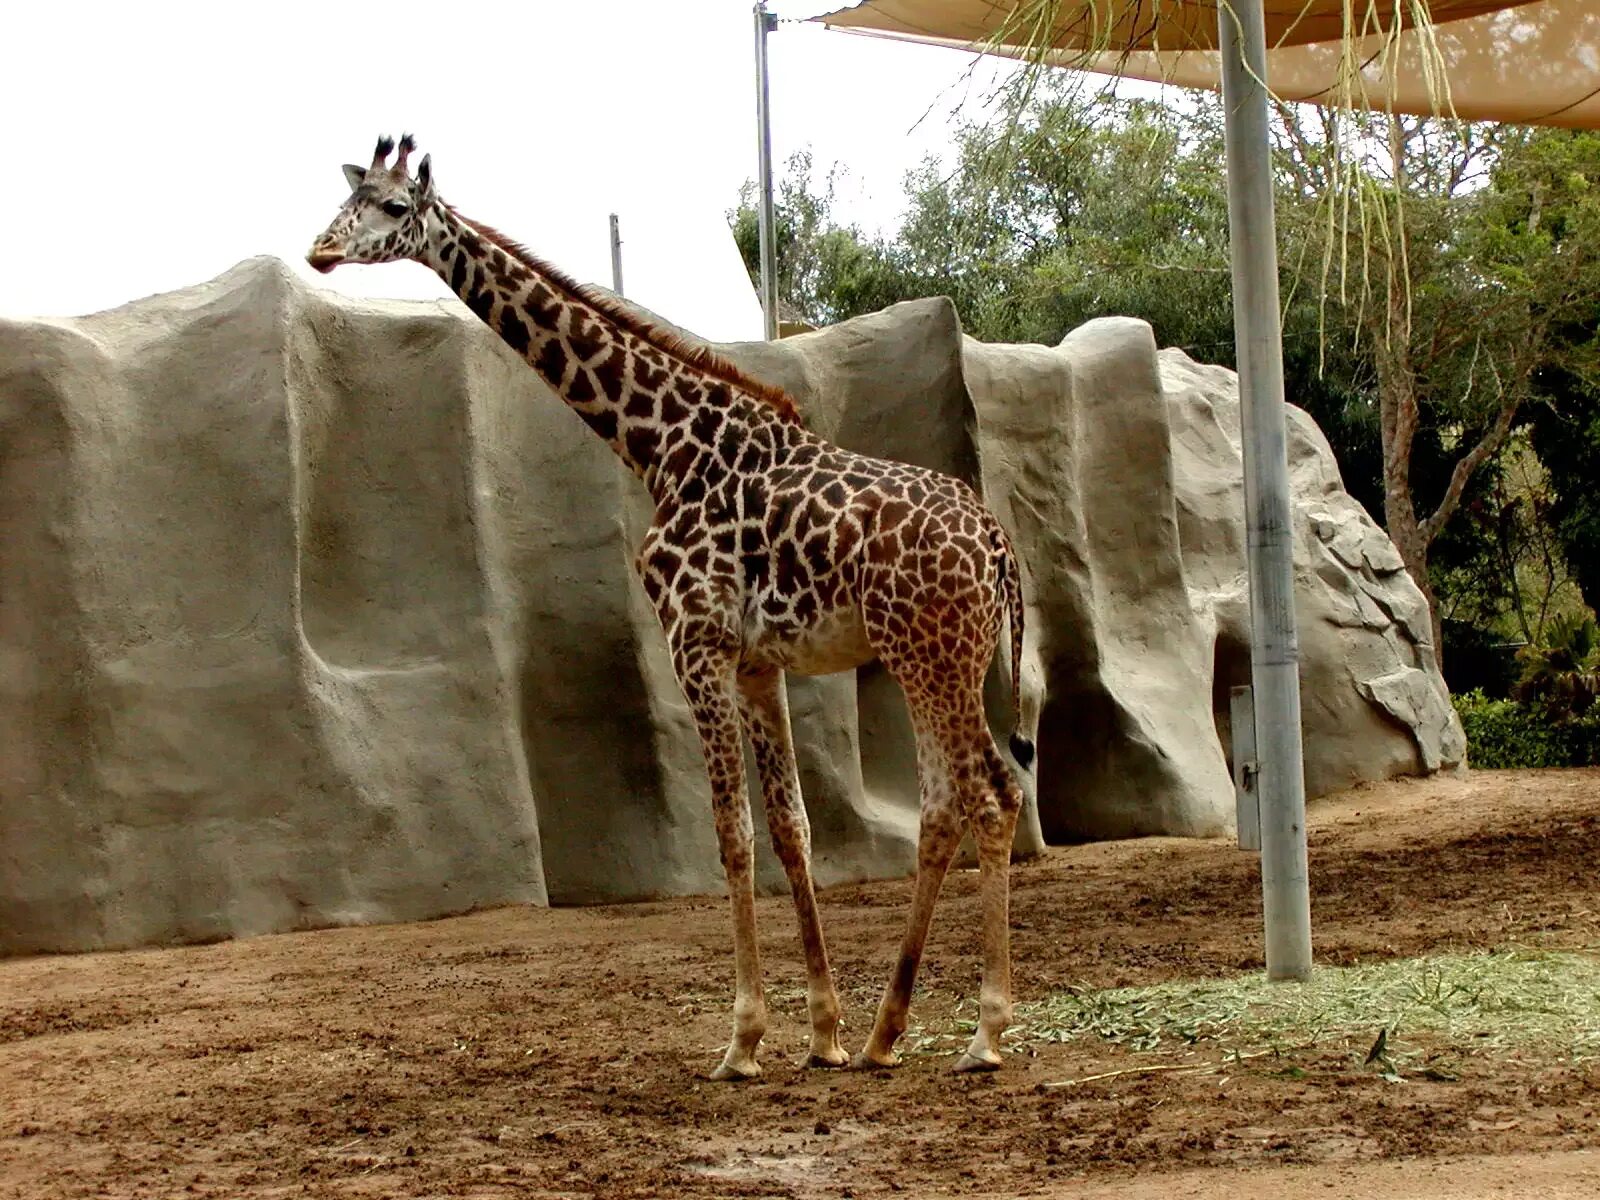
[316, 611]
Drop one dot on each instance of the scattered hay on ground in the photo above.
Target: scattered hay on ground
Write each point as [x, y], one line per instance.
[1543, 1004]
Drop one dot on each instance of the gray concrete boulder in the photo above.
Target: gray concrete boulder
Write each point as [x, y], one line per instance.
[1374, 704]
[320, 612]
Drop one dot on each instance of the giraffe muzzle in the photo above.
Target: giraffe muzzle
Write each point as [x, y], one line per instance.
[323, 259]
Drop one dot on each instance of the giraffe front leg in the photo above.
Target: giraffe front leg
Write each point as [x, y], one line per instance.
[706, 670]
[764, 705]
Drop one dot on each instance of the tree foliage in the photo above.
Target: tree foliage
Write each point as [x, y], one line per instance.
[1450, 302]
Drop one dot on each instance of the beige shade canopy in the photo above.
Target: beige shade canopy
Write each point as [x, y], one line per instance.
[1535, 62]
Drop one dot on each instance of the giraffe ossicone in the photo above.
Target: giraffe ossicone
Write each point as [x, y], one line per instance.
[772, 550]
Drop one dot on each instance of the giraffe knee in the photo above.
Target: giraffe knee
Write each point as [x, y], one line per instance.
[938, 837]
[791, 835]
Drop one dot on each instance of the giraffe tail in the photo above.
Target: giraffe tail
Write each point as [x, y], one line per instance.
[1022, 748]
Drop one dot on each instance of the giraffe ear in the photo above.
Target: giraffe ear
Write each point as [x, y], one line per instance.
[355, 176]
[425, 177]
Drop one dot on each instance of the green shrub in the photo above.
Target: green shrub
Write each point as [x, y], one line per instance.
[1509, 733]
[1562, 675]
[1583, 740]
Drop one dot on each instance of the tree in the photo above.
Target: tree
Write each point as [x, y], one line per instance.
[826, 271]
[1440, 287]
[1502, 564]
[1564, 422]
[1481, 271]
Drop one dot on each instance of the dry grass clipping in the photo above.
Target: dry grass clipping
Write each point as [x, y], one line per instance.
[1542, 1004]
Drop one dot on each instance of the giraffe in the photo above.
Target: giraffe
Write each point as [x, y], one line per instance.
[771, 551]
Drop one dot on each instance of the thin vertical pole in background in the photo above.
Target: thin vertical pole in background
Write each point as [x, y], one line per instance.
[1274, 646]
[765, 24]
[616, 256]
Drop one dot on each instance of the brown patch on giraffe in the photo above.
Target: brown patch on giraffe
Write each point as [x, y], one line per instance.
[582, 390]
[752, 459]
[673, 410]
[706, 424]
[673, 345]
[541, 305]
[585, 337]
[646, 376]
[608, 373]
[481, 302]
[641, 441]
[893, 513]
[640, 406]
[515, 332]
[679, 460]
[729, 444]
[552, 362]
[666, 567]
[817, 553]
[603, 421]
[846, 537]
[784, 568]
[692, 490]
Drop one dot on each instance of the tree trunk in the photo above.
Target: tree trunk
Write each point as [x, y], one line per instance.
[1413, 546]
[1397, 407]
[1409, 535]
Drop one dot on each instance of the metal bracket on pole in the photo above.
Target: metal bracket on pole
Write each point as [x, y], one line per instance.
[1246, 800]
[616, 256]
[765, 24]
[1274, 645]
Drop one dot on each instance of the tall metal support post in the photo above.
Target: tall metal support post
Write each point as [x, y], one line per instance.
[616, 255]
[765, 24]
[1274, 647]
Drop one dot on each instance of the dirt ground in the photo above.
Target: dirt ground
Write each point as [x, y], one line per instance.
[545, 1053]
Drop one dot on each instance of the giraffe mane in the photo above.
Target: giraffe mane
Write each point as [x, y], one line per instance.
[691, 353]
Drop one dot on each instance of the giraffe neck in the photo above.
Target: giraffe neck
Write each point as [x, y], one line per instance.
[649, 397]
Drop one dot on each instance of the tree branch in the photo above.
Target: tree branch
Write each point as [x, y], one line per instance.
[1470, 462]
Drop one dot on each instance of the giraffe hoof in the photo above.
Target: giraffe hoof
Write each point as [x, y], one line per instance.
[866, 1062]
[728, 1073]
[969, 1064]
[833, 1060]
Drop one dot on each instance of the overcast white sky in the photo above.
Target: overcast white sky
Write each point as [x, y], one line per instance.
[153, 146]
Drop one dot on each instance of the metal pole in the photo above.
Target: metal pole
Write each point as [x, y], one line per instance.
[616, 256]
[1274, 648]
[765, 24]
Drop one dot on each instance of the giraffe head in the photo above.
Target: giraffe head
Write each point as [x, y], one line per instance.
[383, 220]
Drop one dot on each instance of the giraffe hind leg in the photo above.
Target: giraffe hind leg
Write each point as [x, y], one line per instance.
[939, 836]
[964, 782]
[993, 801]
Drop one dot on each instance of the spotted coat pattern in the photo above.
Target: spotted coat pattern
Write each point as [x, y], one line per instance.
[772, 550]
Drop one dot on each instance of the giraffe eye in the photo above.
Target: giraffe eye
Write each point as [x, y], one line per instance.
[396, 208]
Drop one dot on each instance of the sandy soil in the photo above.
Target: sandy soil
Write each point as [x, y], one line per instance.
[527, 1052]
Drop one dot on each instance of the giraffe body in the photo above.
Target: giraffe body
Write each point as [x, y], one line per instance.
[772, 550]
